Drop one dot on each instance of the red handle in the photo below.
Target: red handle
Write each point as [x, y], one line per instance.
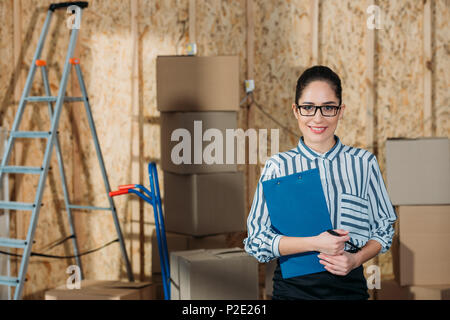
[118, 192]
[126, 186]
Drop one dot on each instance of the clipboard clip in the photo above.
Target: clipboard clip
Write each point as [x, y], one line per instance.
[299, 177]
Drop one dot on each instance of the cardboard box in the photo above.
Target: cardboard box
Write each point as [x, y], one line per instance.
[103, 290]
[391, 290]
[189, 153]
[180, 242]
[421, 251]
[217, 274]
[418, 171]
[204, 204]
[192, 83]
[430, 292]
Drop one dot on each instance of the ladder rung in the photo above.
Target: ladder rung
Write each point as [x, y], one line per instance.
[9, 281]
[52, 99]
[20, 169]
[13, 243]
[73, 99]
[73, 206]
[16, 205]
[30, 134]
[40, 99]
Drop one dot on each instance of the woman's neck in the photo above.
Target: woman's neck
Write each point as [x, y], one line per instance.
[321, 147]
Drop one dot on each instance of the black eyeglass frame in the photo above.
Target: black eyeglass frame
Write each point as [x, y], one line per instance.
[315, 110]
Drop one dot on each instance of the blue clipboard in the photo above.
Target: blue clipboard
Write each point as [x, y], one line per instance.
[297, 208]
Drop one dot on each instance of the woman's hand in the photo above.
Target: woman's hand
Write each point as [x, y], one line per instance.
[340, 265]
[329, 244]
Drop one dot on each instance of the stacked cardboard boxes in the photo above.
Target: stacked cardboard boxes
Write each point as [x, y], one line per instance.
[418, 181]
[198, 98]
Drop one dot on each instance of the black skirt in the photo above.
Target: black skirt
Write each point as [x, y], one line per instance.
[320, 286]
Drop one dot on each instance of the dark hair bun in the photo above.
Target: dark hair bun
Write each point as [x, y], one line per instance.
[321, 73]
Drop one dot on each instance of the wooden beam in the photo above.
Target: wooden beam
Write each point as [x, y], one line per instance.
[192, 19]
[17, 221]
[251, 174]
[17, 45]
[250, 39]
[427, 71]
[137, 155]
[78, 162]
[314, 31]
[370, 98]
[370, 81]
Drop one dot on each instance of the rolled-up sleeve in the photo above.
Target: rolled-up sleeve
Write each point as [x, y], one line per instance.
[381, 211]
[262, 241]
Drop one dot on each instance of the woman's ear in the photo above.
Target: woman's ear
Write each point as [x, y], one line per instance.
[341, 111]
[294, 110]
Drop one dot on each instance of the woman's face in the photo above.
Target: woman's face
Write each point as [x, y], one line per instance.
[318, 131]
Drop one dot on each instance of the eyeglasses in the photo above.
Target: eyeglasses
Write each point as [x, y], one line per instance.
[310, 110]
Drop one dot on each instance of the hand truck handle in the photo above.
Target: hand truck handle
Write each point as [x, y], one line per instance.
[127, 186]
[55, 6]
[118, 192]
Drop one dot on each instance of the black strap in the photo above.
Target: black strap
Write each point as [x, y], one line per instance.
[60, 242]
[55, 6]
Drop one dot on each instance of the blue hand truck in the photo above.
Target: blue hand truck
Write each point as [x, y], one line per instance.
[153, 197]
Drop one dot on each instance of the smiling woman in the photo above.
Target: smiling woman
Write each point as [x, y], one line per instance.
[318, 88]
[360, 209]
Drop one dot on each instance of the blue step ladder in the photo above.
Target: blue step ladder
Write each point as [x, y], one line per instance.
[55, 104]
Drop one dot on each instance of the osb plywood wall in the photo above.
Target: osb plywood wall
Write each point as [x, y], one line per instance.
[118, 45]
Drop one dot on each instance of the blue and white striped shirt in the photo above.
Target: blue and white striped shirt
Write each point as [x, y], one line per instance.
[354, 190]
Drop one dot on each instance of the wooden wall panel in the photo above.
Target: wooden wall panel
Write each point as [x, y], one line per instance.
[399, 81]
[342, 31]
[441, 65]
[282, 52]
[105, 50]
[7, 64]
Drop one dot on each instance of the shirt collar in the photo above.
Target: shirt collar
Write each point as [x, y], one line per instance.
[312, 155]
